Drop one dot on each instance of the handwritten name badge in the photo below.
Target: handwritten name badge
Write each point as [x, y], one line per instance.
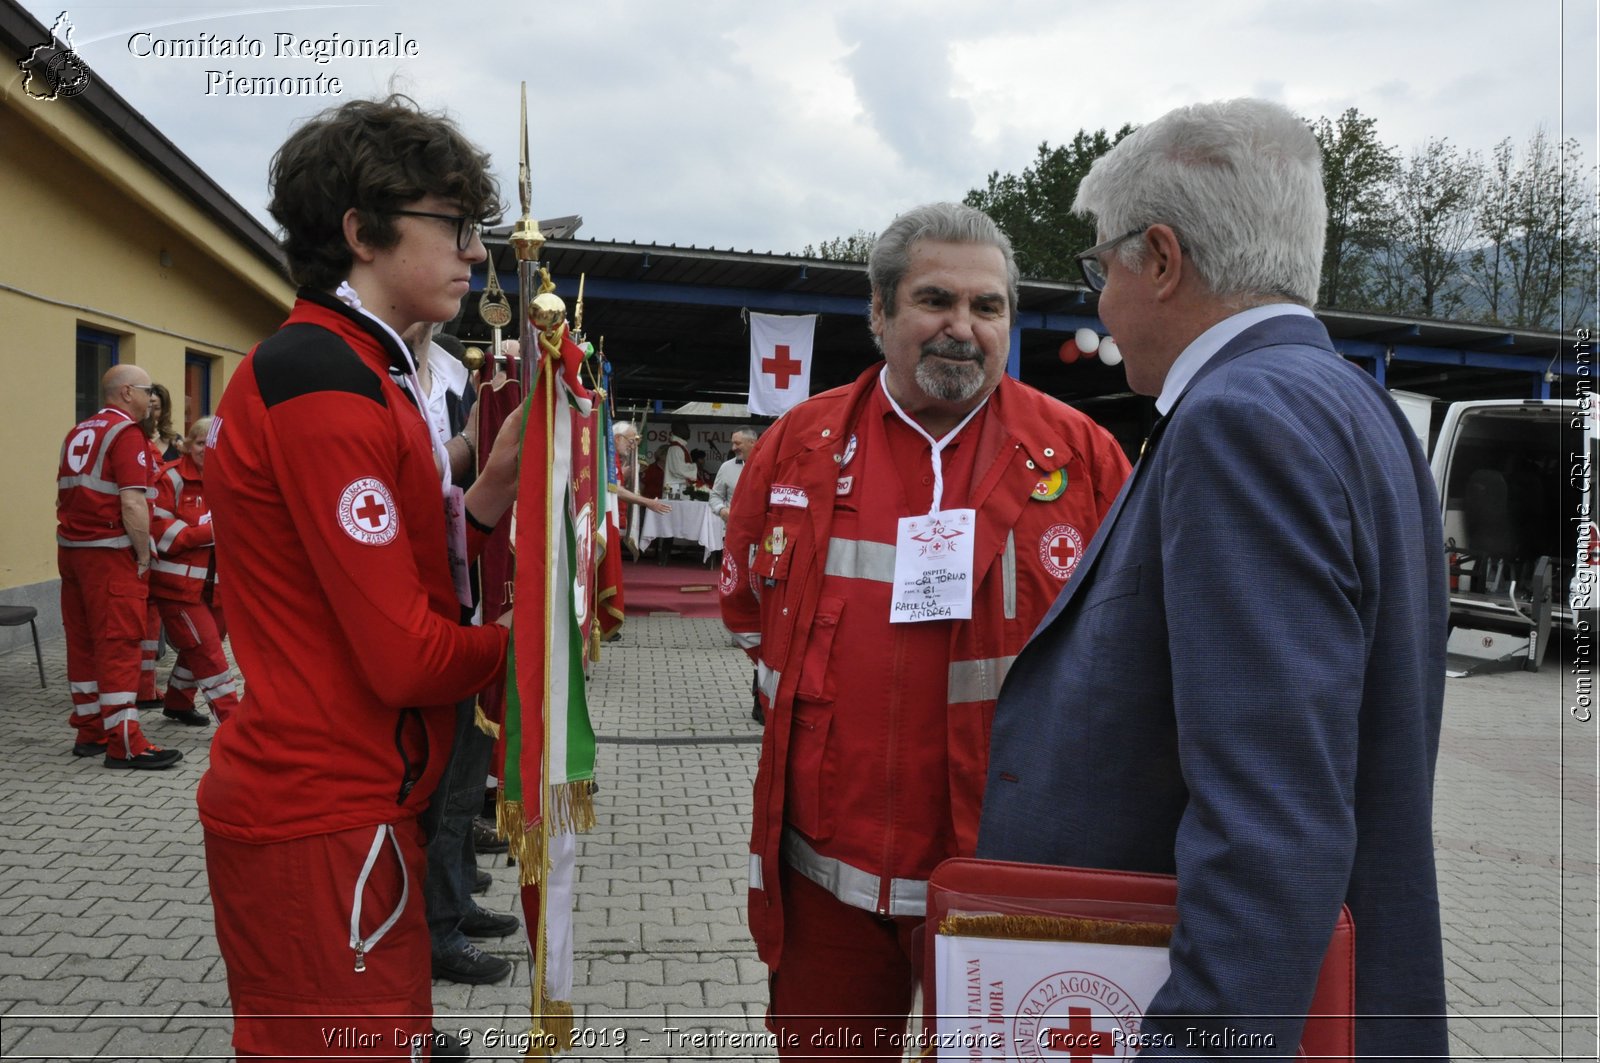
[933, 567]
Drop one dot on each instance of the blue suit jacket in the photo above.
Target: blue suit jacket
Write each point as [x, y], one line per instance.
[1242, 685]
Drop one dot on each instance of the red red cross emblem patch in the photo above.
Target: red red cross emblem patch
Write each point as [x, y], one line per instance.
[367, 513]
[1060, 548]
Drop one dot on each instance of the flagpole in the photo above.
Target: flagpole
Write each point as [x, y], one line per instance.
[528, 241]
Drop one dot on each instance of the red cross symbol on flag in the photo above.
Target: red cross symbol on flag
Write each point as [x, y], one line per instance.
[781, 366]
[1080, 1040]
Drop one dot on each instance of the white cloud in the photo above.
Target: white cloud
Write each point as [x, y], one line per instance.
[724, 123]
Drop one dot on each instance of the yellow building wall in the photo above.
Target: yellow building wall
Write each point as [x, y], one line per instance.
[85, 225]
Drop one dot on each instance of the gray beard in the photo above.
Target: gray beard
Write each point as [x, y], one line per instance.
[949, 381]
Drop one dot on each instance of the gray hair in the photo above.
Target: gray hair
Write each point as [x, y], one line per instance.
[619, 427]
[746, 430]
[954, 223]
[1240, 181]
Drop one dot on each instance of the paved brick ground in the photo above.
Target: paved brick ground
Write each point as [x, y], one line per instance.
[106, 949]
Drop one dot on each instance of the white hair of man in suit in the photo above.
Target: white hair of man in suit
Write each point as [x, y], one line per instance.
[1240, 181]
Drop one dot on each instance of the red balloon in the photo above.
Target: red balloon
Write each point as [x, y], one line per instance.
[1069, 352]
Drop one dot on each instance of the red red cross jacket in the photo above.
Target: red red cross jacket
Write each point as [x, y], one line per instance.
[343, 616]
[795, 575]
[180, 528]
[100, 458]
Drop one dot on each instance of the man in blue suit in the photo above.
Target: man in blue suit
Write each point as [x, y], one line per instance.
[1242, 683]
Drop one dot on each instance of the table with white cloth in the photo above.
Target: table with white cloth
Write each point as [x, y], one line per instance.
[688, 520]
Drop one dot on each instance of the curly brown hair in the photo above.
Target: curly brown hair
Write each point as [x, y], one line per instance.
[376, 156]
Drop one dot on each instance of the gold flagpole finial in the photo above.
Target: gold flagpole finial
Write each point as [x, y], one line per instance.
[577, 311]
[526, 237]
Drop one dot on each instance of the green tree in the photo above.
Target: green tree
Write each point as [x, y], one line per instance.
[1534, 266]
[1433, 201]
[1035, 207]
[852, 248]
[1357, 169]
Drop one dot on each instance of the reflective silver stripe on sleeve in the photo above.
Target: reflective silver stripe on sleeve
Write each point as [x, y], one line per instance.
[747, 640]
[172, 568]
[1008, 575]
[860, 559]
[977, 680]
[171, 535]
[850, 884]
[767, 680]
[755, 872]
[73, 544]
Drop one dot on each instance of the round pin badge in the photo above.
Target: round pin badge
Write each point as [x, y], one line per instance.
[1050, 486]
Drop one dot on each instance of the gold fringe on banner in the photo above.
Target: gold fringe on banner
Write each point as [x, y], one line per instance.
[484, 724]
[554, 1027]
[571, 808]
[1057, 928]
[523, 839]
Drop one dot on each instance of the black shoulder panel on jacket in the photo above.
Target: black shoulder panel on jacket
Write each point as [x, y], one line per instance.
[303, 359]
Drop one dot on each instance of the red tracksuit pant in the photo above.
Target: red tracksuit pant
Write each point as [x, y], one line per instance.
[196, 631]
[103, 610]
[147, 653]
[846, 980]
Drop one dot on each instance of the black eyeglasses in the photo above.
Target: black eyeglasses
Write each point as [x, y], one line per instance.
[1094, 274]
[467, 228]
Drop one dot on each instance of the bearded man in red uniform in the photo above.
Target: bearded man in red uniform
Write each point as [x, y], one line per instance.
[336, 527]
[103, 540]
[890, 548]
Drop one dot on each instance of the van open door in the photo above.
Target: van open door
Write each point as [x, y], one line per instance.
[1503, 470]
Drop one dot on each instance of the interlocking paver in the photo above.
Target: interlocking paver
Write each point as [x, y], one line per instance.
[105, 919]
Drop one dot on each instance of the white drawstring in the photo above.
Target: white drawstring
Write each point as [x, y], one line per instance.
[938, 446]
[357, 942]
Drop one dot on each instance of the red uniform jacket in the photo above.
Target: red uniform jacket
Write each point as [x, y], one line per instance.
[100, 458]
[180, 528]
[344, 619]
[777, 559]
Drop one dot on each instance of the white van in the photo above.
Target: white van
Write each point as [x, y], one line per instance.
[1516, 479]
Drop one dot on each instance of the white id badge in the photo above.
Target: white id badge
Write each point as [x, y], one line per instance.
[933, 567]
[455, 530]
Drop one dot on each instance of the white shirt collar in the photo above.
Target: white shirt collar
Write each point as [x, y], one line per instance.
[1204, 346]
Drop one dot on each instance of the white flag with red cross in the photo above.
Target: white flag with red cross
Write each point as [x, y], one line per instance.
[780, 361]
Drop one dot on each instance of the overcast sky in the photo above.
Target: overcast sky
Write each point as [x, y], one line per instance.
[772, 125]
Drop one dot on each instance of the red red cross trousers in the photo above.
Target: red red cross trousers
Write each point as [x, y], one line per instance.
[1080, 1040]
[371, 511]
[781, 366]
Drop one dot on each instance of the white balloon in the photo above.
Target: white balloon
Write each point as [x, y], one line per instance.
[1109, 354]
[1088, 340]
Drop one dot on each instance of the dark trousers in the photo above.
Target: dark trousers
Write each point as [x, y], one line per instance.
[452, 868]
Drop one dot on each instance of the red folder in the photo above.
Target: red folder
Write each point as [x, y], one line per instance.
[1129, 898]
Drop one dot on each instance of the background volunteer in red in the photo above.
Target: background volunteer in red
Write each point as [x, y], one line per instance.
[335, 542]
[183, 585]
[103, 539]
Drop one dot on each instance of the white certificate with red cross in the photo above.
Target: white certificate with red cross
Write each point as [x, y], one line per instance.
[1067, 1001]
